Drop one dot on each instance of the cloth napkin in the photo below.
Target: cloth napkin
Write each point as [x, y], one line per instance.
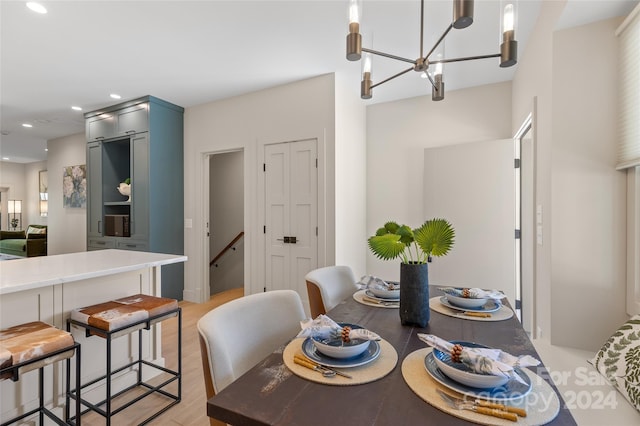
[323, 327]
[369, 281]
[474, 293]
[484, 361]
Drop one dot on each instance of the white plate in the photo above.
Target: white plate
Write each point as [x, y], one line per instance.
[512, 390]
[467, 302]
[386, 294]
[490, 306]
[370, 294]
[311, 352]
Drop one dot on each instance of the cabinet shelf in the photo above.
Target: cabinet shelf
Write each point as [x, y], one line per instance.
[117, 203]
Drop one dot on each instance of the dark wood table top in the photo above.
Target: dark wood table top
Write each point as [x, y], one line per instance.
[255, 399]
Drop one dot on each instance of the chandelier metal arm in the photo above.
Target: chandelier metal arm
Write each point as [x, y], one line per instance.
[467, 58]
[388, 55]
[433, 83]
[392, 77]
[435, 46]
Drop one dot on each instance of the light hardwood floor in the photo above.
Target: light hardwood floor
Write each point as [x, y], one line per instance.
[192, 409]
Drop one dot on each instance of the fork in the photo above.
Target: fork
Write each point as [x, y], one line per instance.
[460, 404]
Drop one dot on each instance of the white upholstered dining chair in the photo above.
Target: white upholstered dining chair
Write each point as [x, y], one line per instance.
[329, 286]
[237, 335]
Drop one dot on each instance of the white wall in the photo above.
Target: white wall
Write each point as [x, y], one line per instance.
[31, 201]
[588, 252]
[12, 176]
[397, 134]
[67, 227]
[581, 256]
[296, 111]
[532, 84]
[351, 175]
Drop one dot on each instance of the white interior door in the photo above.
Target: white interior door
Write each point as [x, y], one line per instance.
[472, 186]
[291, 214]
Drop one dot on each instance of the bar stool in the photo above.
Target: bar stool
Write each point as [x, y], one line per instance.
[118, 318]
[31, 346]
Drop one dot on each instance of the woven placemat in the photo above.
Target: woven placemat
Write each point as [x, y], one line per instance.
[370, 372]
[504, 313]
[542, 403]
[359, 296]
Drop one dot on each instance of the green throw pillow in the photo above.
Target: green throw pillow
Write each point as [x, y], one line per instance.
[619, 360]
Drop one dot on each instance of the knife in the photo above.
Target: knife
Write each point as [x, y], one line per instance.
[309, 361]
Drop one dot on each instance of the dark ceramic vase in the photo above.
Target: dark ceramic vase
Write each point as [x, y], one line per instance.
[414, 294]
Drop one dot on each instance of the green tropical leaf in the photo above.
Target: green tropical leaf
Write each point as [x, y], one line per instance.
[435, 237]
[387, 246]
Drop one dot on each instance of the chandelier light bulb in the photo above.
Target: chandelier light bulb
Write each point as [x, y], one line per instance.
[36, 7]
[367, 63]
[354, 12]
[508, 18]
[438, 70]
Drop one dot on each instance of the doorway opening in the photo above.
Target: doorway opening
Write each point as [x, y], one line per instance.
[225, 221]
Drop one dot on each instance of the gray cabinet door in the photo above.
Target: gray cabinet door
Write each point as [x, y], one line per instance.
[133, 120]
[102, 126]
[94, 179]
[140, 187]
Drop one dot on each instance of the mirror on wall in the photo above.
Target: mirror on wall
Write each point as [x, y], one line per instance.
[44, 193]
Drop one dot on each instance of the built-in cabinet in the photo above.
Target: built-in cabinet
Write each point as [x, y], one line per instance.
[141, 140]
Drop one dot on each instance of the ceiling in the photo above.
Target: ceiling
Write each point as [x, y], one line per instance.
[194, 52]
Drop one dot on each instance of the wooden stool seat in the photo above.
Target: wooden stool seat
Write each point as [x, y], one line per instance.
[121, 314]
[33, 346]
[22, 343]
[120, 317]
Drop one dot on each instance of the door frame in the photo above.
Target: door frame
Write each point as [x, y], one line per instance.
[528, 125]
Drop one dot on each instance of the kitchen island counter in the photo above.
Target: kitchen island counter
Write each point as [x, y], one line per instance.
[35, 272]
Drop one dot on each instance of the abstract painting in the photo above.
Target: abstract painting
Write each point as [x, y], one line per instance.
[74, 186]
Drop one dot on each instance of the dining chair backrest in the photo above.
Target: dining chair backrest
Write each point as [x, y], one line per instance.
[329, 286]
[237, 335]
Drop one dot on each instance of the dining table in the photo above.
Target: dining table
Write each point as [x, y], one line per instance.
[269, 394]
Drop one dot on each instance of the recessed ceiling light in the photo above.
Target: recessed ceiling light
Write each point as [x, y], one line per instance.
[115, 96]
[46, 149]
[5, 158]
[26, 125]
[76, 108]
[36, 7]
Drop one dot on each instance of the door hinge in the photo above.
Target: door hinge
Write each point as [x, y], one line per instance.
[264, 167]
[316, 163]
[264, 229]
[518, 234]
[264, 289]
[316, 231]
[516, 163]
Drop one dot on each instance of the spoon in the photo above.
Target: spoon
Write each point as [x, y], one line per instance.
[325, 372]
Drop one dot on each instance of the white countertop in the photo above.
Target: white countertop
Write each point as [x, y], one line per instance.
[34, 272]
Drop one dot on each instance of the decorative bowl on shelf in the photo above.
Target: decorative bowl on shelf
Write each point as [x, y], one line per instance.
[125, 189]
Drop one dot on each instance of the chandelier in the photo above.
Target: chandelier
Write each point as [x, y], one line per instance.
[462, 18]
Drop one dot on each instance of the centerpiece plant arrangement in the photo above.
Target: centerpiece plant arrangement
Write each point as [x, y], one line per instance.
[415, 248]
